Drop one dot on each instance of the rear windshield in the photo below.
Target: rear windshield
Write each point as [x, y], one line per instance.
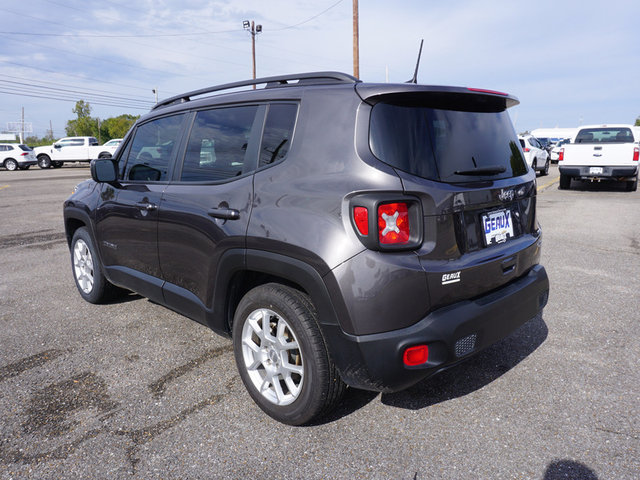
[605, 135]
[446, 145]
[26, 148]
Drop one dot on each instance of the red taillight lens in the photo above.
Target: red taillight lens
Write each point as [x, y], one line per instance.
[24, 154]
[361, 217]
[526, 149]
[414, 356]
[636, 154]
[393, 223]
[561, 155]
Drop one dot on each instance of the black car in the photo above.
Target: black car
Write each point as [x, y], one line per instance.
[342, 233]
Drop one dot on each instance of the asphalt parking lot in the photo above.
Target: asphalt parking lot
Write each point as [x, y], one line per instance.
[133, 390]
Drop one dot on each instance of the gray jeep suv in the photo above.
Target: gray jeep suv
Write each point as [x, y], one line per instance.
[342, 233]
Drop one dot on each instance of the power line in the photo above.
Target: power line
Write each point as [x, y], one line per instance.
[146, 103]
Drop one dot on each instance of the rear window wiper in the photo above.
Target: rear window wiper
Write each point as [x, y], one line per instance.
[488, 170]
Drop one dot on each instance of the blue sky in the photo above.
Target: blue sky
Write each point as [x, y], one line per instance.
[569, 62]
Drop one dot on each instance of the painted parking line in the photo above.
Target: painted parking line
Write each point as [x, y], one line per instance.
[3, 186]
[547, 185]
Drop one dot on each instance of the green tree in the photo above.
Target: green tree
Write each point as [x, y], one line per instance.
[117, 127]
[83, 125]
[638, 122]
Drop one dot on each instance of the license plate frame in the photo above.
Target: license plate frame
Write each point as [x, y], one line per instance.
[596, 170]
[497, 226]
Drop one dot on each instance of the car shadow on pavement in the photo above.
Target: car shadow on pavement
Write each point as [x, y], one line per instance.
[569, 470]
[474, 373]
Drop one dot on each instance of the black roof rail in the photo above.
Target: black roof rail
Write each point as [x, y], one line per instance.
[277, 81]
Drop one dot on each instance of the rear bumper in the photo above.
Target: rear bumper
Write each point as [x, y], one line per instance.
[608, 173]
[452, 333]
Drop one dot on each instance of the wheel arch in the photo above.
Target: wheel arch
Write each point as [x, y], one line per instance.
[241, 270]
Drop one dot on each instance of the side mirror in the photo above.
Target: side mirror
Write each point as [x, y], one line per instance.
[104, 170]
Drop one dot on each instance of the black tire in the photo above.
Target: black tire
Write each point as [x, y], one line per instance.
[292, 316]
[57, 164]
[44, 161]
[632, 186]
[565, 182]
[545, 170]
[87, 270]
[10, 164]
[534, 165]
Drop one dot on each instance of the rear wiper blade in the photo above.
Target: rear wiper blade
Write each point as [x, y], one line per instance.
[488, 170]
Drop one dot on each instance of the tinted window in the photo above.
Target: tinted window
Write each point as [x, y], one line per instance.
[435, 143]
[218, 144]
[605, 135]
[26, 148]
[152, 148]
[278, 131]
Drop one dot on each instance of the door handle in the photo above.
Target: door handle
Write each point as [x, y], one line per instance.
[146, 206]
[224, 213]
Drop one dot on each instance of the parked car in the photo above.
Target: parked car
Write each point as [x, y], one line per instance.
[555, 151]
[535, 154]
[72, 149]
[340, 232]
[601, 153]
[16, 155]
[112, 145]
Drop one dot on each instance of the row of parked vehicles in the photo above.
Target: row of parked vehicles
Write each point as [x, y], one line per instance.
[14, 156]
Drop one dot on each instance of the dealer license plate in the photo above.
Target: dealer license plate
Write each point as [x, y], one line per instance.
[498, 226]
[596, 171]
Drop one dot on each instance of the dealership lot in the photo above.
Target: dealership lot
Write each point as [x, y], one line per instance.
[132, 390]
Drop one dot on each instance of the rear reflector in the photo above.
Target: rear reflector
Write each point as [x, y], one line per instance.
[414, 356]
[393, 223]
[361, 218]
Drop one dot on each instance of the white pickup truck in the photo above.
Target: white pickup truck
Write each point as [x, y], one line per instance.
[601, 152]
[74, 149]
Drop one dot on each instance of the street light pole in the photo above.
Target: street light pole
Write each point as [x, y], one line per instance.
[356, 41]
[253, 30]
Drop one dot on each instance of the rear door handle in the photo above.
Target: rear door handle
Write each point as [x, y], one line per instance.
[224, 213]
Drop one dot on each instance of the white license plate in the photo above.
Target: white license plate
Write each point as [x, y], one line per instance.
[497, 226]
[596, 170]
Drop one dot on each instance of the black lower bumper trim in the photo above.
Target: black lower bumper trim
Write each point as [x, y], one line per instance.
[375, 361]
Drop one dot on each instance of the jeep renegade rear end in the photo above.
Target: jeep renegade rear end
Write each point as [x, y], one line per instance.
[341, 232]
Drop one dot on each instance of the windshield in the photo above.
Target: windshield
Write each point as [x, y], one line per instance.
[446, 145]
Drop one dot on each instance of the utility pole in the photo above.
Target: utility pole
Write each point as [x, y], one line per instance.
[155, 92]
[254, 30]
[356, 41]
[22, 127]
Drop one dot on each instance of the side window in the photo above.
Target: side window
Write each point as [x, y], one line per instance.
[217, 144]
[278, 131]
[152, 148]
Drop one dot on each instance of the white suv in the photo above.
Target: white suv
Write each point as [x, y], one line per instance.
[535, 154]
[15, 155]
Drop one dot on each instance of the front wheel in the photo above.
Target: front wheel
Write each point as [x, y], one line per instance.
[282, 357]
[44, 161]
[87, 271]
[10, 164]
